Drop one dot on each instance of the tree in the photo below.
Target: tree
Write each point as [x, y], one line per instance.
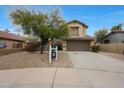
[100, 34]
[6, 30]
[45, 26]
[32, 44]
[117, 27]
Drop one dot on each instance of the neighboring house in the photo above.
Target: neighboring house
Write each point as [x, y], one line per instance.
[113, 37]
[78, 39]
[9, 40]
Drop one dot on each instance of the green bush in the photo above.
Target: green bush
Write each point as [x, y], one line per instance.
[95, 48]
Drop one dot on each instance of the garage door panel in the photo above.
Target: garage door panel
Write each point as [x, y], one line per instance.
[77, 46]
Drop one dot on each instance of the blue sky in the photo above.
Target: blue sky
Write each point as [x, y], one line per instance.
[96, 17]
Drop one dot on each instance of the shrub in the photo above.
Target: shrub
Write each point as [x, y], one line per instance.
[59, 46]
[58, 42]
[32, 45]
[95, 48]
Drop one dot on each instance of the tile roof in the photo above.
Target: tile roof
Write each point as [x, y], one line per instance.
[10, 36]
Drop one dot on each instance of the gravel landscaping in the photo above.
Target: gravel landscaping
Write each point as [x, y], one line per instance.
[33, 60]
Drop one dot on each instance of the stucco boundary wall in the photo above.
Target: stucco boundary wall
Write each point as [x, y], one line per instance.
[113, 47]
[9, 51]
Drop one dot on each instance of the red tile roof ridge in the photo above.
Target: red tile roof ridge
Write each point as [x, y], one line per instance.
[11, 36]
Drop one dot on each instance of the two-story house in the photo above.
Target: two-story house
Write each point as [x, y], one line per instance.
[78, 39]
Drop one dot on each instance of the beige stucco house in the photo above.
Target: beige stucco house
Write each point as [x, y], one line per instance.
[9, 40]
[78, 40]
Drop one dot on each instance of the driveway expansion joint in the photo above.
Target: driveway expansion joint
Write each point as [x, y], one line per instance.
[88, 80]
[54, 77]
[102, 70]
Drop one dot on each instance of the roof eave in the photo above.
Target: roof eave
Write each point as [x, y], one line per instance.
[11, 39]
[78, 22]
[87, 39]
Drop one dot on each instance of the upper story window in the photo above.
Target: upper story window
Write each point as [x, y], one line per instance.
[74, 31]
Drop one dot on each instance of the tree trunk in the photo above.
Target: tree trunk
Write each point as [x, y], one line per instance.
[43, 42]
[41, 49]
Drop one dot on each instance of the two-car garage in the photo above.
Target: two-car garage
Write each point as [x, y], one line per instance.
[77, 45]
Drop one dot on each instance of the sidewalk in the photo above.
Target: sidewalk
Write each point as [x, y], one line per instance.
[59, 77]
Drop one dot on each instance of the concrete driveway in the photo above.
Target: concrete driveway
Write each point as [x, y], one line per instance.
[100, 70]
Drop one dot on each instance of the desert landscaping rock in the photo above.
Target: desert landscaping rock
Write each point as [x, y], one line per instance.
[33, 60]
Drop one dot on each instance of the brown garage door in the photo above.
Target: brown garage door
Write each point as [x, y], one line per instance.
[77, 46]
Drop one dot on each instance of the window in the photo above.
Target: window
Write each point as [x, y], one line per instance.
[106, 41]
[2, 44]
[74, 31]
